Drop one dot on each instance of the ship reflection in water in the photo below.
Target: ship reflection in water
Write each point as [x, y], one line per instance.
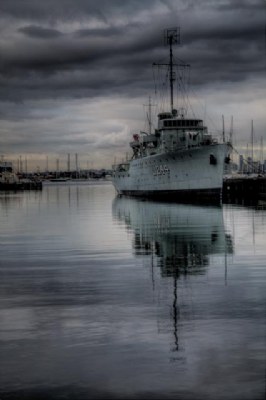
[179, 238]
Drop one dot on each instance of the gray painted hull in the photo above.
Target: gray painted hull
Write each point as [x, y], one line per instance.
[187, 174]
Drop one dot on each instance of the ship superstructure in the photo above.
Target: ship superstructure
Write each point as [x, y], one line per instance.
[179, 159]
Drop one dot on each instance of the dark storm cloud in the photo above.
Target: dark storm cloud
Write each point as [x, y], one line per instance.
[46, 61]
[39, 32]
[66, 65]
[70, 10]
[94, 50]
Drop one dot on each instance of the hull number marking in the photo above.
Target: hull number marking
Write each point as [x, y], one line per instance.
[160, 170]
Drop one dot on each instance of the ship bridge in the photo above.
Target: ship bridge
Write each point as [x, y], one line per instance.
[167, 120]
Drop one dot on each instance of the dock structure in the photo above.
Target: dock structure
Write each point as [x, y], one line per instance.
[244, 187]
[21, 185]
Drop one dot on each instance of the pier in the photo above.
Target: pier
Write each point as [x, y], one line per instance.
[244, 187]
[21, 185]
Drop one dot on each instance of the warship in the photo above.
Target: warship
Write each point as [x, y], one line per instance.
[179, 159]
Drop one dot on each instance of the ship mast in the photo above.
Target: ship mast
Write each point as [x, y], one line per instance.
[149, 113]
[172, 36]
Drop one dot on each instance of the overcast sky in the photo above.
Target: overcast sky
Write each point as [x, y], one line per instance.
[75, 74]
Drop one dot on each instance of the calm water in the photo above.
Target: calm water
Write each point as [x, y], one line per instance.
[105, 297]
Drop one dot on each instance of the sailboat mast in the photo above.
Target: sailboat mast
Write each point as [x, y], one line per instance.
[223, 129]
[171, 74]
[252, 146]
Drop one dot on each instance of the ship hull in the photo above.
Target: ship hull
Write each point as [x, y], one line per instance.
[195, 195]
[193, 174]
